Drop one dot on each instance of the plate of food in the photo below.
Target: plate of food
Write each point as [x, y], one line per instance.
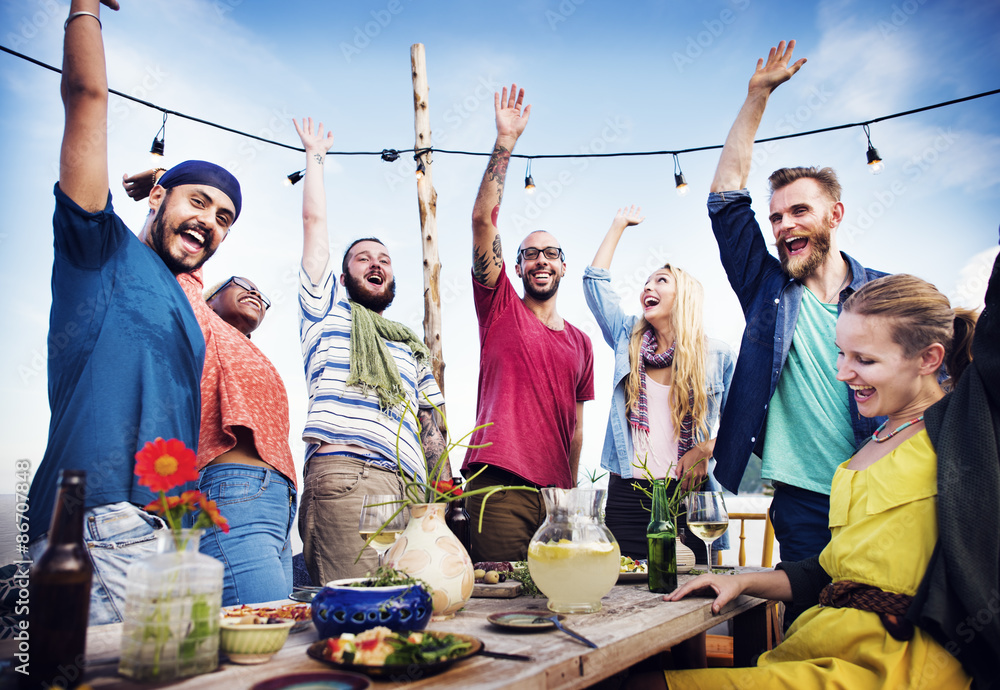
[633, 570]
[301, 614]
[399, 656]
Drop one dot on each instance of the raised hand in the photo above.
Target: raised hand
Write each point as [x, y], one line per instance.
[314, 142]
[775, 71]
[629, 216]
[510, 120]
[138, 186]
[110, 4]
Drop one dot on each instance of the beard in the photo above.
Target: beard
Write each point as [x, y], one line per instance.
[357, 292]
[540, 295]
[157, 236]
[797, 268]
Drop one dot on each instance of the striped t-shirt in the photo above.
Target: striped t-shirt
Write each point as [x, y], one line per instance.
[344, 415]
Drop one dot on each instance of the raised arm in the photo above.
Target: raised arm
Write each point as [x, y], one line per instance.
[487, 253]
[734, 163]
[623, 219]
[315, 238]
[83, 160]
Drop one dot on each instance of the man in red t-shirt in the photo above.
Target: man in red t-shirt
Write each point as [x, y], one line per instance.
[535, 369]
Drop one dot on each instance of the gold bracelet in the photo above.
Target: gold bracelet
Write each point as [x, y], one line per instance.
[82, 14]
[156, 170]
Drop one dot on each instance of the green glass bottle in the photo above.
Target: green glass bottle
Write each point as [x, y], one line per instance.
[661, 534]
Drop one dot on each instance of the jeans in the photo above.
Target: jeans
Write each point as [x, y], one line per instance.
[256, 553]
[333, 491]
[117, 535]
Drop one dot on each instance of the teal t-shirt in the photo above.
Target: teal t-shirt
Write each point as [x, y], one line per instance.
[809, 422]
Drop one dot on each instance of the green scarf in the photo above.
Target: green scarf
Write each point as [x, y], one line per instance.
[372, 365]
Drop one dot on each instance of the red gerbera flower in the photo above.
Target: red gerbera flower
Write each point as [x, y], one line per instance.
[162, 465]
[156, 506]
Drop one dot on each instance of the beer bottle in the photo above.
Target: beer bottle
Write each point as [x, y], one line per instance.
[457, 519]
[60, 592]
[661, 533]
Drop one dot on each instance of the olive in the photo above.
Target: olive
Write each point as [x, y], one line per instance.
[480, 574]
[492, 577]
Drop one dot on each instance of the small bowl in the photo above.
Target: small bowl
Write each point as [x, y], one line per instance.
[252, 643]
[339, 608]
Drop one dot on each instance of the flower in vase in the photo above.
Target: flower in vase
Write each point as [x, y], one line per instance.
[162, 465]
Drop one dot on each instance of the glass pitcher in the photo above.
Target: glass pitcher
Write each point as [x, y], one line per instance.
[573, 557]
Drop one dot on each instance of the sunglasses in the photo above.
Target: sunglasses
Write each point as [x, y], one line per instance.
[236, 280]
[531, 253]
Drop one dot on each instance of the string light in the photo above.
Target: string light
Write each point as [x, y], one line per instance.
[156, 150]
[529, 182]
[875, 163]
[679, 182]
[420, 170]
[294, 177]
[390, 155]
[418, 156]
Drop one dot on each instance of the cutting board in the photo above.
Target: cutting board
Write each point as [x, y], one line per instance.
[501, 590]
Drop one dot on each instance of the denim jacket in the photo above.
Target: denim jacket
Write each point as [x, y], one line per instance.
[617, 326]
[770, 302]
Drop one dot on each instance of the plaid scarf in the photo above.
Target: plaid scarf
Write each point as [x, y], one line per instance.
[372, 365]
[639, 414]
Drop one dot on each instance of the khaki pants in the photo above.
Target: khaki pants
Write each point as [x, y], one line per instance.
[329, 509]
[510, 520]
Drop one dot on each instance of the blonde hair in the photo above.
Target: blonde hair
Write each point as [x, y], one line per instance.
[918, 316]
[689, 355]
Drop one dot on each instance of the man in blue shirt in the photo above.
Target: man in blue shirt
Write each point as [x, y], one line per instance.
[125, 350]
[785, 402]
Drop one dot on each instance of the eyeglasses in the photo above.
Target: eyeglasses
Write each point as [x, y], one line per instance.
[246, 286]
[531, 253]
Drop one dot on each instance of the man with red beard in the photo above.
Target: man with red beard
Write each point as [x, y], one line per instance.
[362, 372]
[125, 350]
[785, 403]
[535, 369]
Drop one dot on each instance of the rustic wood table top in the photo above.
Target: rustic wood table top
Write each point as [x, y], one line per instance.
[632, 625]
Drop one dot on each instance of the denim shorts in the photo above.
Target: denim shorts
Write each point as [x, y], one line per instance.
[117, 535]
[259, 504]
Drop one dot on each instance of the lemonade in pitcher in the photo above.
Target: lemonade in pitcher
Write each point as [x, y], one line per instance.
[573, 557]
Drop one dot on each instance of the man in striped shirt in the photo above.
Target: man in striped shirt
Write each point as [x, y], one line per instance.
[368, 379]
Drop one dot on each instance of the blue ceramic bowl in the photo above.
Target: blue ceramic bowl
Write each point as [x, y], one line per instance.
[339, 608]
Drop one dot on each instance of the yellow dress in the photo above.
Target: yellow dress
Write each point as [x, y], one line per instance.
[884, 526]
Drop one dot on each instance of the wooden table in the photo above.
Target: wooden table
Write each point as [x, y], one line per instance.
[632, 625]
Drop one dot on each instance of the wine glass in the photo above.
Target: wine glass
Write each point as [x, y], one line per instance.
[707, 517]
[377, 512]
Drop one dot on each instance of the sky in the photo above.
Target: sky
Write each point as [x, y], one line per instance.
[600, 76]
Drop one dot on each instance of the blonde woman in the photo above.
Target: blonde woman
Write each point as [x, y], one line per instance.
[670, 386]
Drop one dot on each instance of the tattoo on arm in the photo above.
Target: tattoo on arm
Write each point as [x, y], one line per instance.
[497, 252]
[433, 443]
[496, 171]
[480, 265]
[319, 158]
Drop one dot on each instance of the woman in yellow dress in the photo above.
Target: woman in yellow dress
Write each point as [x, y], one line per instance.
[894, 335]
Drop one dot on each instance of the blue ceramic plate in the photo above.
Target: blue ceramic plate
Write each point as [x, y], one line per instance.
[317, 680]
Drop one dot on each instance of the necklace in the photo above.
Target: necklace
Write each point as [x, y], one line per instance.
[896, 431]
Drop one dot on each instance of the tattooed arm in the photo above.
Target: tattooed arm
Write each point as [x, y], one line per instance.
[433, 440]
[487, 254]
[315, 242]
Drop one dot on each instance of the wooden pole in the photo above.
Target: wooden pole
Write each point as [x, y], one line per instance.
[427, 204]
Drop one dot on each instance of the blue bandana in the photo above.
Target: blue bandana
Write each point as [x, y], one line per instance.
[203, 172]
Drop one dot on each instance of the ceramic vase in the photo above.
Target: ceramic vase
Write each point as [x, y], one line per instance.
[685, 558]
[172, 605]
[427, 549]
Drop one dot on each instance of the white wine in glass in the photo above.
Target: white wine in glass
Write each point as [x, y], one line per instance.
[378, 510]
[707, 517]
